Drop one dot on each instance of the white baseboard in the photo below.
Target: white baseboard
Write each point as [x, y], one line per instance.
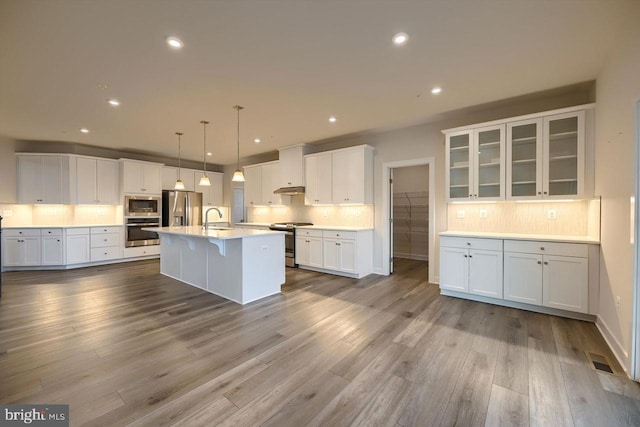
[615, 345]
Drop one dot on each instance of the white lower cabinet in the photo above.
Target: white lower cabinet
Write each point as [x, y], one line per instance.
[340, 252]
[78, 244]
[551, 275]
[556, 275]
[471, 265]
[22, 247]
[52, 246]
[106, 243]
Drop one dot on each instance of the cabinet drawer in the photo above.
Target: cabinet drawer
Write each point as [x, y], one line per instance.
[105, 240]
[308, 233]
[335, 234]
[141, 251]
[471, 243]
[547, 248]
[102, 254]
[105, 230]
[21, 232]
[53, 232]
[78, 231]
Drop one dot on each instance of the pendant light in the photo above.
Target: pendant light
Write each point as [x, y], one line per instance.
[179, 184]
[238, 176]
[204, 181]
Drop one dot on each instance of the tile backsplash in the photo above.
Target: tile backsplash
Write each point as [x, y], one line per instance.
[45, 215]
[568, 218]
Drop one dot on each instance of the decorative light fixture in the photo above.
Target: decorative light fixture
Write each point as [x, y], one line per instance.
[204, 181]
[179, 184]
[238, 176]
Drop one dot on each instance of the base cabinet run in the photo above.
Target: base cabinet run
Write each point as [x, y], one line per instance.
[552, 275]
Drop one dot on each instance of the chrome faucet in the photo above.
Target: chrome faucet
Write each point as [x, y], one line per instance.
[206, 217]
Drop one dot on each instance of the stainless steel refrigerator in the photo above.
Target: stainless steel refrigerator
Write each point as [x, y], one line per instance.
[180, 208]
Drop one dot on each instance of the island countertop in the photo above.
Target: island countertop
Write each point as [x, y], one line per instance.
[212, 233]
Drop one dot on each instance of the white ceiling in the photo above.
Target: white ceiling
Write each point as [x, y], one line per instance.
[290, 63]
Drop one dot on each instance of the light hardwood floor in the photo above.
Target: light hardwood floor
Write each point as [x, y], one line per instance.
[123, 345]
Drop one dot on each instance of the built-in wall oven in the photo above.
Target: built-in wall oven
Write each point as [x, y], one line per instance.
[136, 236]
[142, 206]
[289, 240]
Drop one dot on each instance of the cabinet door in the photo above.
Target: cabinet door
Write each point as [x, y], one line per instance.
[132, 177]
[52, 251]
[151, 178]
[459, 178]
[169, 177]
[523, 277]
[347, 255]
[331, 254]
[489, 171]
[253, 185]
[340, 177]
[13, 251]
[485, 273]
[563, 168]
[302, 250]
[315, 252]
[78, 249]
[86, 176]
[292, 174]
[107, 182]
[318, 179]
[524, 160]
[454, 269]
[32, 250]
[565, 283]
[270, 181]
[216, 192]
[30, 179]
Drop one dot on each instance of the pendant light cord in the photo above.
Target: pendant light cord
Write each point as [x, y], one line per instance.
[179, 148]
[204, 153]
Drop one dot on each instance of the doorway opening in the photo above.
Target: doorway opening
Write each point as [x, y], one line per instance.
[238, 214]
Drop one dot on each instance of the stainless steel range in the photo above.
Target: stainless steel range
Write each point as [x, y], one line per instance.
[289, 240]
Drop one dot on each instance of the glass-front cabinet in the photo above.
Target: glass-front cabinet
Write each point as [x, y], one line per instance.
[475, 164]
[545, 157]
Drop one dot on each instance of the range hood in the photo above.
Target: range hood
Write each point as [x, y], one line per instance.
[290, 190]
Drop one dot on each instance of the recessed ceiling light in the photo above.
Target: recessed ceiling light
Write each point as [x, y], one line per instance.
[332, 119]
[84, 130]
[113, 102]
[257, 140]
[436, 90]
[400, 39]
[174, 42]
[209, 153]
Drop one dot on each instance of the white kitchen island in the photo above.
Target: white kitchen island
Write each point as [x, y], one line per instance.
[240, 265]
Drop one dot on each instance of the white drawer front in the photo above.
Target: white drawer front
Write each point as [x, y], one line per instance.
[105, 240]
[547, 248]
[78, 231]
[103, 254]
[335, 234]
[471, 243]
[53, 232]
[308, 233]
[21, 232]
[141, 251]
[105, 230]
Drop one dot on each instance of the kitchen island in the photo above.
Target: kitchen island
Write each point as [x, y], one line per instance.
[240, 265]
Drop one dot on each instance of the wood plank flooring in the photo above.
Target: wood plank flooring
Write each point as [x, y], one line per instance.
[124, 345]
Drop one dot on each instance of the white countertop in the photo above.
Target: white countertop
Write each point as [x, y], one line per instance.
[63, 226]
[516, 236]
[252, 224]
[197, 231]
[335, 227]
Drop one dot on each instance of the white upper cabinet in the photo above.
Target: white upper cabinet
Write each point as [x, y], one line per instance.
[212, 195]
[170, 176]
[95, 181]
[542, 156]
[43, 179]
[475, 159]
[339, 177]
[318, 181]
[292, 166]
[260, 182]
[141, 177]
[546, 157]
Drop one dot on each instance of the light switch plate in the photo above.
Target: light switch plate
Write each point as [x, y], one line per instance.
[483, 213]
[551, 214]
[460, 213]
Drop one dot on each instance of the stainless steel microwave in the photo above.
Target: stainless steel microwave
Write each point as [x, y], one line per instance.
[142, 206]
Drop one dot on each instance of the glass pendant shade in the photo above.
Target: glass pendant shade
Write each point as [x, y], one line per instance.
[179, 184]
[204, 181]
[238, 176]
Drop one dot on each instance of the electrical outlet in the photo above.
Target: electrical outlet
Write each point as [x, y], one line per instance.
[483, 213]
[618, 303]
[7, 213]
[460, 213]
[551, 214]
[325, 212]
